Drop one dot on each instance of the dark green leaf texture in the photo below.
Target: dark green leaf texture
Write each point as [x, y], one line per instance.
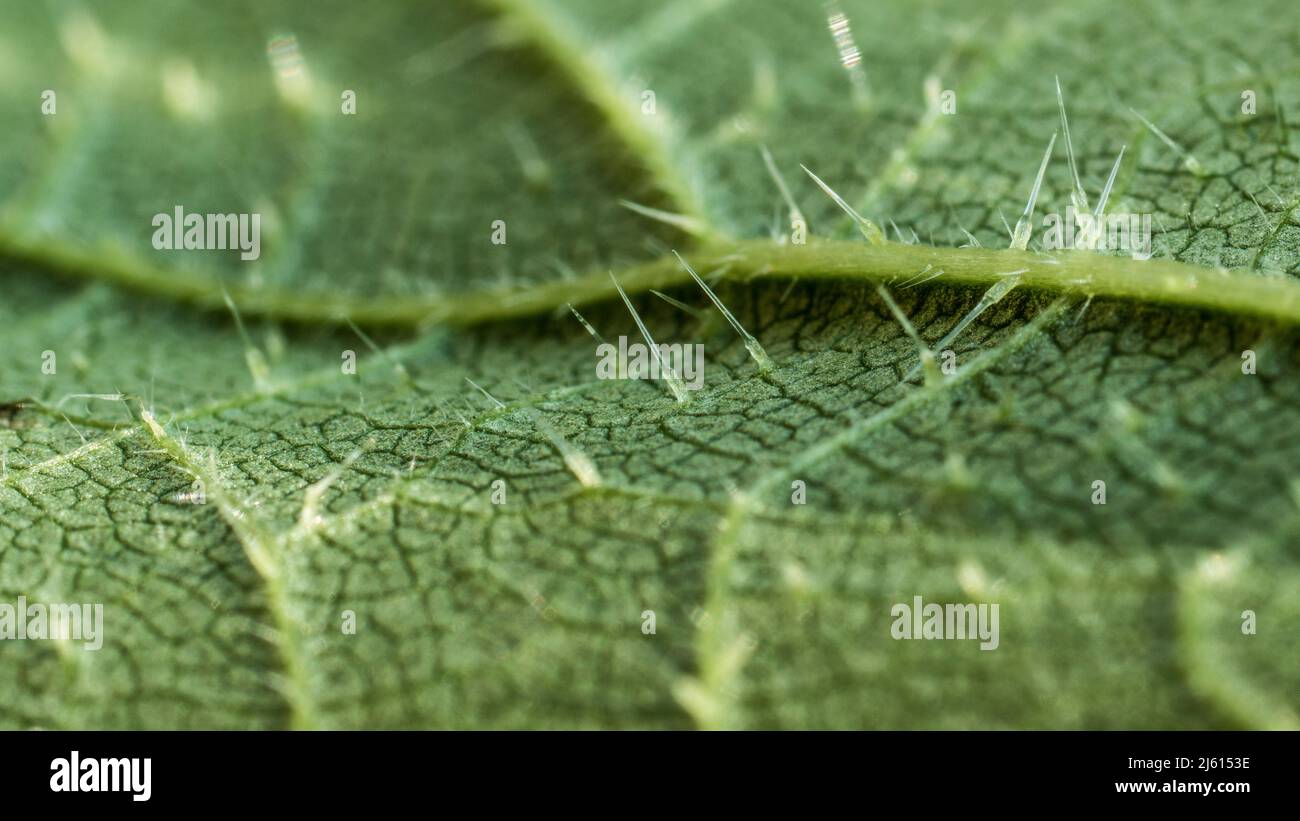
[371, 492]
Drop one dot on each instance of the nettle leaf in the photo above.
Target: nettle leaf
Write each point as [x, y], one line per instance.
[469, 528]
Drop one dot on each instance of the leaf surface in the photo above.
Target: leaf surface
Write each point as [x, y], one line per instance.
[324, 492]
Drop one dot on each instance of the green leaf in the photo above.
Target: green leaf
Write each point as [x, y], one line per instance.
[234, 497]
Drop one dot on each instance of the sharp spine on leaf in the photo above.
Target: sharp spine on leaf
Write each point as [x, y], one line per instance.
[536, 171]
[868, 228]
[1024, 225]
[252, 354]
[921, 278]
[578, 463]
[75, 429]
[1189, 162]
[309, 517]
[398, 367]
[795, 214]
[575, 460]
[676, 303]
[1280, 201]
[1110, 183]
[751, 344]
[1083, 310]
[500, 405]
[974, 242]
[690, 225]
[927, 356]
[595, 335]
[1258, 207]
[915, 277]
[1090, 238]
[152, 424]
[1079, 196]
[915, 240]
[999, 289]
[670, 376]
[111, 397]
[991, 297]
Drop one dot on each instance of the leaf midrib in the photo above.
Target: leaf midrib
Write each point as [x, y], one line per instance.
[1155, 281]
